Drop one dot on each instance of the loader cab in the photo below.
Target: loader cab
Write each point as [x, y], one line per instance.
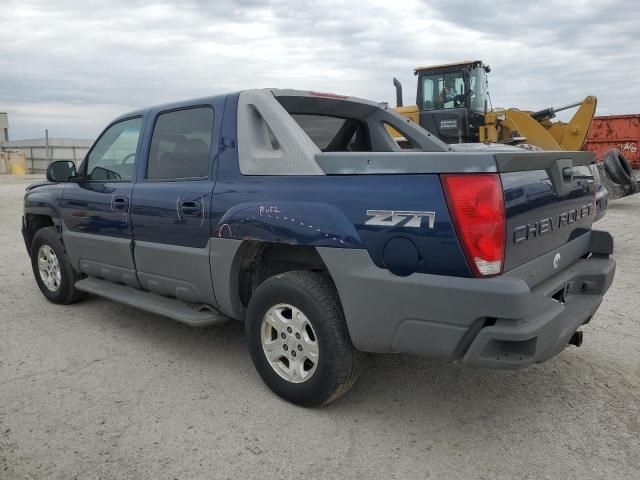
[452, 100]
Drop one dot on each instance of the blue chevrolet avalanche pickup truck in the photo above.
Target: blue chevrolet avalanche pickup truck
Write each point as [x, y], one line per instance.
[298, 214]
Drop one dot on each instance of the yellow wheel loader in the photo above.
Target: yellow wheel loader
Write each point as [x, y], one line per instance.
[453, 103]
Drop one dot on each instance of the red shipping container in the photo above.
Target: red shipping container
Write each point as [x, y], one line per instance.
[615, 131]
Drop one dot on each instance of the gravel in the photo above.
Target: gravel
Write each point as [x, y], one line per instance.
[99, 390]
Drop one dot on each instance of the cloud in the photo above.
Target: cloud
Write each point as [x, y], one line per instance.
[71, 67]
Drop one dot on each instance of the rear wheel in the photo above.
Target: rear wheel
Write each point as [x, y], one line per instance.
[298, 339]
[51, 267]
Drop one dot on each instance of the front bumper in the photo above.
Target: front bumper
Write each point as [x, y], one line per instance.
[524, 316]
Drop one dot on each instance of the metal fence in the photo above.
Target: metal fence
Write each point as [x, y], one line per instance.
[39, 155]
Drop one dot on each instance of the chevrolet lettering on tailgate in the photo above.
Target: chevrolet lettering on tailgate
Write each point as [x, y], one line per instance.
[550, 224]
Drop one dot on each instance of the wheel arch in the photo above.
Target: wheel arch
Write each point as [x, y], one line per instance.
[41, 211]
[33, 222]
[251, 263]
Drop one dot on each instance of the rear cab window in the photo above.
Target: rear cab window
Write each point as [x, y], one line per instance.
[335, 134]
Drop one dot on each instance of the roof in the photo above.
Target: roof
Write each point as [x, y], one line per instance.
[275, 91]
[171, 105]
[456, 64]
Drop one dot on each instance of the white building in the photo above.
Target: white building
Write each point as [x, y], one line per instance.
[4, 127]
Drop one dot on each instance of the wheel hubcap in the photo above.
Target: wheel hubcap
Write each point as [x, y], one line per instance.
[289, 343]
[49, 268]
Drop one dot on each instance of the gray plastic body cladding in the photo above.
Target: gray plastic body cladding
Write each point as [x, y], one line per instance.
[381, 163]
[194, 315]
[461, 161]
[444, 316]
[177, 271]
[101, 256]
[548, 334]
[537, 160]
[376, 115]
[225, 276]
[260, 117]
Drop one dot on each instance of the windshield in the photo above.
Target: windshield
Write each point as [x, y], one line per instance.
[442, 91]
[478, 89]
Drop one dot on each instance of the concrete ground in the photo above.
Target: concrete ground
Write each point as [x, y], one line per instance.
[98, 390]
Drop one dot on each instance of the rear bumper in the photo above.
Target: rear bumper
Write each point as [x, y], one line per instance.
[525, 316]
[516, 342]
[602, 202]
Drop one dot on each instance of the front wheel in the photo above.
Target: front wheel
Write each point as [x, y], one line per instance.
[298, 339]
[54, 273]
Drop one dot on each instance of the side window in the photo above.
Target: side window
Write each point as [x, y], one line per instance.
[181, 144]
[429, 94]
[114, 154]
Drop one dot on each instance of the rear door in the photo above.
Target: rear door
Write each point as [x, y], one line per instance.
[95, 209]
[171, 204]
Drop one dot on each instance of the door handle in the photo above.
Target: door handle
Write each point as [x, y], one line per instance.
[191, 208]
[119, 203]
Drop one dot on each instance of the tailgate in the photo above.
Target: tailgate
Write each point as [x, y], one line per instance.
[549, 201]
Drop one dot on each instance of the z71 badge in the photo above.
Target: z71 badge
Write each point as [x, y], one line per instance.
[392, 218]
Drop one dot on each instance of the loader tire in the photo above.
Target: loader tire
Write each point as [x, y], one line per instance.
[618, 169]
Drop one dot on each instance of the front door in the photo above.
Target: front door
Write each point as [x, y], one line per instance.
[96, 219]
[171, 202]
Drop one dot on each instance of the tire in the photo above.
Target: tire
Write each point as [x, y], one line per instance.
[337, 362]
[47, 248]
[618, 169]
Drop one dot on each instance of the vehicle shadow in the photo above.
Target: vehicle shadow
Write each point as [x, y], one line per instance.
[401, 386]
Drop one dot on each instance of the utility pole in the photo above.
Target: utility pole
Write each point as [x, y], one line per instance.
[46, 147]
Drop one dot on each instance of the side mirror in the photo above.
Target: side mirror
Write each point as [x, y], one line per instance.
[61, 171]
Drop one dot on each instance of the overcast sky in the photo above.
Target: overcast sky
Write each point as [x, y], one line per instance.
[71, 66]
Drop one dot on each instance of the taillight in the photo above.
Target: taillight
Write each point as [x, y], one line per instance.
[477, 207]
